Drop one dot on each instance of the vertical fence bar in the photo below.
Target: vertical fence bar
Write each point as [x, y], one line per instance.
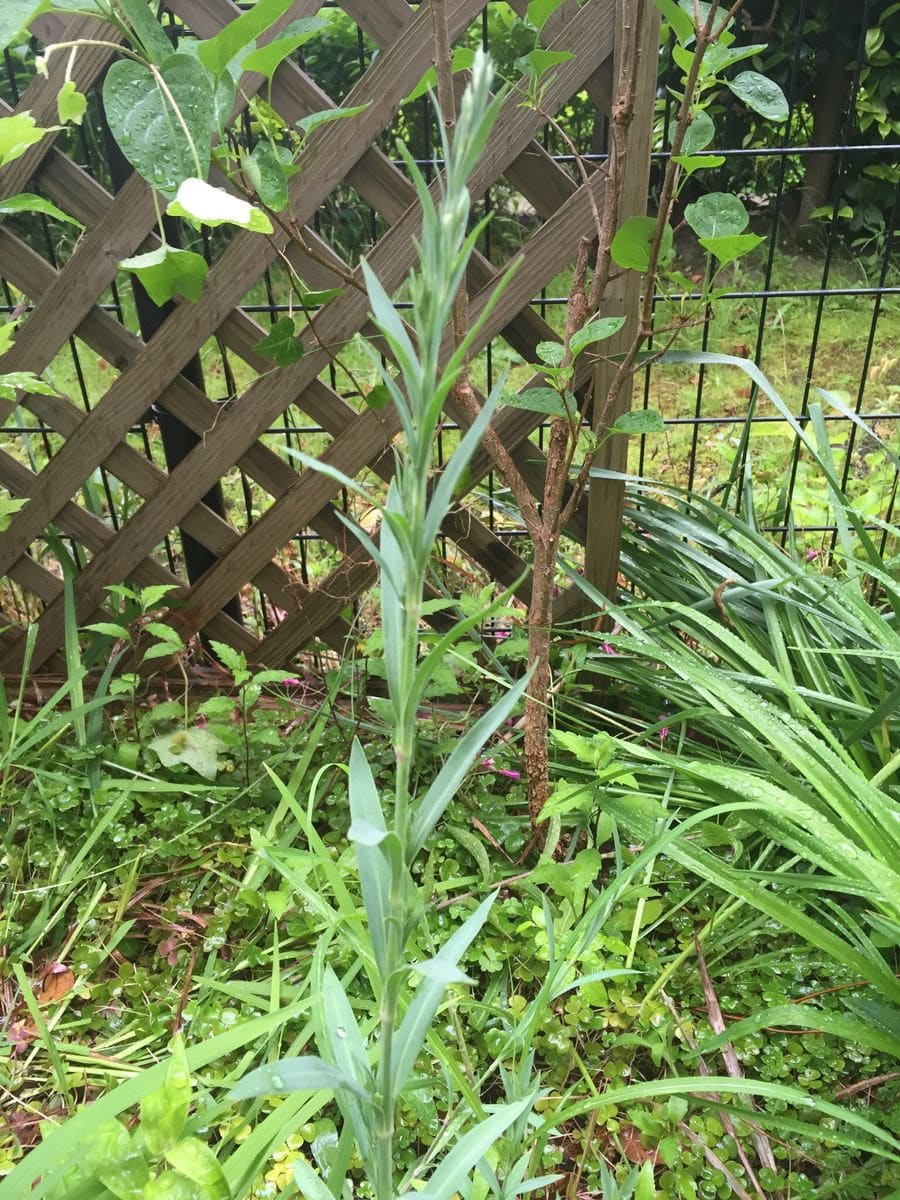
[606, 497]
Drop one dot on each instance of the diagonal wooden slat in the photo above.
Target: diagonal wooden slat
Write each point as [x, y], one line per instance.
[327, 161]
[39, 98]
[230, 435]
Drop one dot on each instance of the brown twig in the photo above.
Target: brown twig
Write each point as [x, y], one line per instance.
[732, 1063]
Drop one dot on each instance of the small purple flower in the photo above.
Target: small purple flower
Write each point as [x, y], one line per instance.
[812, 555]
[510, 774]
[487, 762]
[292, 681]
[608, 648]
[665, 731]
[501, 634]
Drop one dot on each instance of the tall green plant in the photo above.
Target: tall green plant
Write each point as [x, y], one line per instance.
[389, 833]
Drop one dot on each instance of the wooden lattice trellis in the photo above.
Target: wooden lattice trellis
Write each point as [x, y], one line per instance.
[66, 303]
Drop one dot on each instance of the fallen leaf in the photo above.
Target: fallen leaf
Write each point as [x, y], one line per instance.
[20, 1035]
[57, 982]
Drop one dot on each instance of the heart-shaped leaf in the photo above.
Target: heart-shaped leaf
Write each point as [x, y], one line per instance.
[196, 748]
[167, 272]
[147, 127]
[71, 105]
[17, 133]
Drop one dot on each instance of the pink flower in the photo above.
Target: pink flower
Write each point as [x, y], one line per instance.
[608, 648]
[291, 682]
[665, 731]
[488, 764]
[812, 555]
[501, 634]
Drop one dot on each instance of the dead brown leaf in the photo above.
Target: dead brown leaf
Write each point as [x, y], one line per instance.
[57, 982]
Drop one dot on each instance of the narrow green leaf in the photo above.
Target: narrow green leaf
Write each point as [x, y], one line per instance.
[311, 1185]
[307, 1073]
[150, 34]
[217, 53]
[677, 19]
[267, 59]
[374, 872]
[452, 1173]
[428, 995]
[309, 124]
[109, 628]
[457, 766]
[28, 202]
[802, 1016]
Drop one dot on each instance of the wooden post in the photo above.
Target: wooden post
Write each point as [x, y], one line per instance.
[606, 497]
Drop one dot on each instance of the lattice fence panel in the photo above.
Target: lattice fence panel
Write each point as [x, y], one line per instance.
[70, 300]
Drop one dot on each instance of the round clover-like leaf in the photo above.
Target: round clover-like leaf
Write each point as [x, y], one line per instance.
[148, 129]
[717, 214]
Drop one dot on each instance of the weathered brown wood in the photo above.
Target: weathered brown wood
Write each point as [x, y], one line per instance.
[92, 533]
[327, 160]
[67, 304]
[606, 497]
[39, 97]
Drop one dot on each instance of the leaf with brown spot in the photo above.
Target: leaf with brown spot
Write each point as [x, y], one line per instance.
[57, 982]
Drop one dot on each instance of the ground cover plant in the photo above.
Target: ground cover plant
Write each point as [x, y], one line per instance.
[297, 938]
